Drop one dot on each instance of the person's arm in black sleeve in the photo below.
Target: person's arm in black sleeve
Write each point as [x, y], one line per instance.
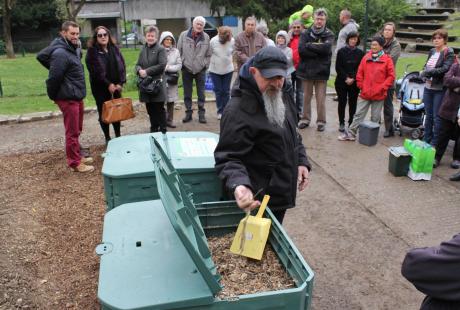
[339, 65]
[435, 271]
[58, 67]
[303, 158]
[305, 50]
[235, 143]
[323, 48]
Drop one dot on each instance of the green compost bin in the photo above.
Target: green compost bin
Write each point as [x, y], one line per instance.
[129, 174]
[154, 254]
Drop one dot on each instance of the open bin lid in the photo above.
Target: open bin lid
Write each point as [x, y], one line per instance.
[183, 216]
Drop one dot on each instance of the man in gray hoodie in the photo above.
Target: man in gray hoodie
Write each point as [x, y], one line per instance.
[349, 25]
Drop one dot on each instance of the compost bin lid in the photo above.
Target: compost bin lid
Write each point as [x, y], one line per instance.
[190, 152]
[183, 216]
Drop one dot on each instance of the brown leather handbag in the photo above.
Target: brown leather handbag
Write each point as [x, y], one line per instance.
[117, 110]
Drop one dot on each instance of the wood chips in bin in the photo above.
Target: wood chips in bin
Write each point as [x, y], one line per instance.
[242, 275]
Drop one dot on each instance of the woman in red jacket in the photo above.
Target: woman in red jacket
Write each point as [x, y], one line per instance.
[375, 76]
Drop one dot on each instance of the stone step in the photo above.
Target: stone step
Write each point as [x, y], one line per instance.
[425, 26]
[428, 17]
[424, 47]
[437, 10]
[417, 34]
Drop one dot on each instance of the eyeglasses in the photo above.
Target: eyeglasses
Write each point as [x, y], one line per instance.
[296, 27]
[167, 39]
[100, 35]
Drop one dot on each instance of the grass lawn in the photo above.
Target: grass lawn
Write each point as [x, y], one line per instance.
[23, 81]
[24, 90]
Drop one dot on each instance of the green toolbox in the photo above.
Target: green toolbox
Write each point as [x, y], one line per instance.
[154, 254]
[129, 174]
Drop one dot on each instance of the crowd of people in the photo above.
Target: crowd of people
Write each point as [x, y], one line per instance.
[260, 147]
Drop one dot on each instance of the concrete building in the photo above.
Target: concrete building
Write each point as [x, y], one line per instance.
[172, 15]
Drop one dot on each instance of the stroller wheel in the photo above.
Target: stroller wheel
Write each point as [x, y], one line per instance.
[415, 134]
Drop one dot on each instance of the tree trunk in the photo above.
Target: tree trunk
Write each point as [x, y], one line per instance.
[73, 11]
[7, 6]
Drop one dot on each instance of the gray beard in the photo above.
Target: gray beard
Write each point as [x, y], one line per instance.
[274, 108]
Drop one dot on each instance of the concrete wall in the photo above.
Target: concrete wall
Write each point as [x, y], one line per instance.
[161, 9]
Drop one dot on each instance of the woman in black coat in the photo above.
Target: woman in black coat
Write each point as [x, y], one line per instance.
[346, 66]
[152, 62]
[107, 72]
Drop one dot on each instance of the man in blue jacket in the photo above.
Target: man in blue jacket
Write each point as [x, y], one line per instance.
[66, 87]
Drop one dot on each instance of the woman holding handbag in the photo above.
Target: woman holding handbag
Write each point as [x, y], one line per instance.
[173, 66]
[107, 73]
[150, 68]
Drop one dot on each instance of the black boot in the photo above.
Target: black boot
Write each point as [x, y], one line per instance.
[202, 118]
[455, 177]
[188, 117]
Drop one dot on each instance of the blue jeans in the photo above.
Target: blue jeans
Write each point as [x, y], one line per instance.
[432, 100]
[221, 89]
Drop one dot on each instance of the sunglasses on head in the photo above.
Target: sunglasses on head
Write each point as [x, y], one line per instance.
[100, 35]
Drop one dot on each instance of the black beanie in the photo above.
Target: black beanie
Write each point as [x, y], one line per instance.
[379, 39]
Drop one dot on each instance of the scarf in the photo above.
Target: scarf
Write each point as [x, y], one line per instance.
[376, 57]
[113, 74]
[318, 30]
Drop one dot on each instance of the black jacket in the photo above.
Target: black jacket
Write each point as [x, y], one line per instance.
[66, 78]
[446, 59]
[255, 153]
[153, 59]
[315, 51]
[347, 64]
[435, 271]
[96, 63]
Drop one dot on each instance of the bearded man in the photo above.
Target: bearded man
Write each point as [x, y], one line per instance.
[260, 149]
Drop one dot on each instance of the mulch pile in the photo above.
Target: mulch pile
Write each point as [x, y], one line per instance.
[50, 223]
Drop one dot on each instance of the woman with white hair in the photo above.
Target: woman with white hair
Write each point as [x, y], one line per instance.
[173, 66]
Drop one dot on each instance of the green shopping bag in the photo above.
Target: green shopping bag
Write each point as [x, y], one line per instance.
[422, 156]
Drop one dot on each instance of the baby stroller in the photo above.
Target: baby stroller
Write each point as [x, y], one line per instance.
[412, 109]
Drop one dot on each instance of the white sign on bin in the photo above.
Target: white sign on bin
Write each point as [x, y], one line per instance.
[196, 147]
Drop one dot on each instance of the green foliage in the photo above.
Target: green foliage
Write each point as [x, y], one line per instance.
[31, 13]
[380, 11]
[270, 10]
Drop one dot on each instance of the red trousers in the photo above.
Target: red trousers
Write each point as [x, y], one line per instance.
[72, 112]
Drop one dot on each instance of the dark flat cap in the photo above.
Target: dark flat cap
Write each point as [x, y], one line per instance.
[271, 62]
